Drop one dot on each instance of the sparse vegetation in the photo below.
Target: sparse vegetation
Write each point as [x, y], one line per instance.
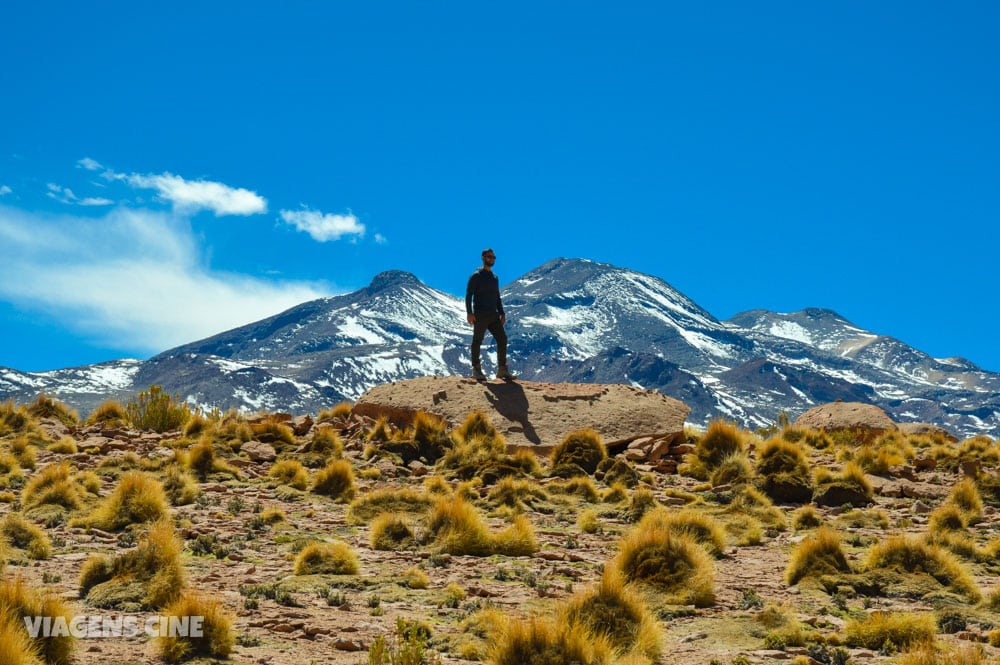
[217, 636]
[327, 558]
[335, 480]
[819, 554]
[674, 564]
[155, 410]
[138, 498]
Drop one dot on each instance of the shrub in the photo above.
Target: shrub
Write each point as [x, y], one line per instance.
[388, 500]
[138, 498]
[179, 487]
[151, 576]
[542, 641]
[391, 532]
[806, 517]
[966, 498]
[335, 480]
[458, 529]
[273, 515]
[326, 442]
[901, 630]
[584, 448]
[155, 410]
[911, 555]
[327, 558]
[613, 612]
[274, 431]
[46, 407]
[818, 554]
[341, 411]
[290, 472]
[26, 536]
[64, 446]
[849, 486]
[18, 600]
[217, 638]
[109, 413]
[52, 485]
[722, 439]
[700, 527]
[672, 563]
[732, 470]
[784, 471]
[416, 578]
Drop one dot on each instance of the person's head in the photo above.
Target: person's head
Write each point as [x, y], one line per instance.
[489, 258]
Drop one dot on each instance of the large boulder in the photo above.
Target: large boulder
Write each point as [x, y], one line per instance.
[927, 429]
[867, 420]
[533, 415]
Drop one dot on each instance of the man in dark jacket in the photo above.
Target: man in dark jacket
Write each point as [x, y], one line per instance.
[484, 311]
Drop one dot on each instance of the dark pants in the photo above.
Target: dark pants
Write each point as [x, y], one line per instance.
[492, 323]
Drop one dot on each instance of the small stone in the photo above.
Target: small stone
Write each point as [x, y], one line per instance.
[348, 645]
[417, 468]
[283, 628]
[259, 452]
[694, 637]
[921, 508]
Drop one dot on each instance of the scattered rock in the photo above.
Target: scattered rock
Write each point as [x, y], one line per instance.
[258, 451]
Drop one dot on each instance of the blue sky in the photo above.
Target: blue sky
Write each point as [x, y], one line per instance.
[174, 170]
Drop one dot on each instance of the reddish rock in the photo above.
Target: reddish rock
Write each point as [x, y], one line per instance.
[259, 452]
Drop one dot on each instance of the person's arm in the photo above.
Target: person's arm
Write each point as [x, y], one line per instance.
[503, 316]
[469, 316]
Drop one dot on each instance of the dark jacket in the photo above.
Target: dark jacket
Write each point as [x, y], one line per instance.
[482, 295]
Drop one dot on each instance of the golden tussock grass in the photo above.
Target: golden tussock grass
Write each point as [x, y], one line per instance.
[910, 555]
[64, 446]
[196, 425]
[202, 460]
[581, 486]
[818, 554]
[416, 578]
[109, 414]
[18, 600]
[388, 500]
[47, 407]
[339, 412]
[273, 515]
[14, 419]
[722, 439]
[327, 558]
[583, 447]
[946, 517]
[676, 565]
[151, 576]
[589, 521]
[335, 480]
[806, 517]
[54, 486]
[138, 498]
[900, 630]
[273, 431]
[217, 638]
[181, 489]
[326, 442]
[22, 534]
[965, 496]
[543, 641]
[931, 654]
[290, 472]
[616, 493]
[701, 528]
[457, 528]
[618, 614]
[732, 470]
[390, 531]
[518, 493]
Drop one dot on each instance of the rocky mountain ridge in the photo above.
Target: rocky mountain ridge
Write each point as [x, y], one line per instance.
[569, 320]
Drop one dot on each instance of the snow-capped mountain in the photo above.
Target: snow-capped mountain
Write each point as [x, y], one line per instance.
[568, 320]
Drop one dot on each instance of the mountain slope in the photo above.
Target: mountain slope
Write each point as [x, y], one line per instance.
[568, 320]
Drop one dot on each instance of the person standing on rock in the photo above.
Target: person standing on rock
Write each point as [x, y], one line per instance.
[484, 311]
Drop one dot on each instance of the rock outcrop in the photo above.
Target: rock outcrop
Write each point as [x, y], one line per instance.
[927, 429]
[534, 415]
[866, 419]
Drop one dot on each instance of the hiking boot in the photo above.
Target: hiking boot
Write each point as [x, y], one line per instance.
[504, 373]
[477, 374]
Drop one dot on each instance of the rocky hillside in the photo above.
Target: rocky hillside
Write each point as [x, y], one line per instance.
[569, 320]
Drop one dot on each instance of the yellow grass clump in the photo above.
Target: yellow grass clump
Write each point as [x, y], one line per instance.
[701, 528]
[138, 498]
[335, 480]
[24, 535]
[47, 407]
[217, 636]
[674, 564]
[388, 500]
[616, 613]
[64, 446]
[327, 558]
[818, 554]
[543, 641]
[110, 414]
[202, 460]
[931, 654]
[900, 630]
[340, 412]
[721, 440]
[390, 531]
[910, 555]
[457, 528]
[18, 600]
[290, 472]
[151, 576]
[965, 497]
[582, 448]
[326, 442]
[52, 485]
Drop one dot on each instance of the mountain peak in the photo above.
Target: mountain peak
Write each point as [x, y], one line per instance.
[393, 278]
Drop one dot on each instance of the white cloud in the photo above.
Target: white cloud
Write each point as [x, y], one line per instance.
[5, 190]
[190, 196]
[89, 164]
[324, 227]
[66, 195]
[381, 239]
[133, 279]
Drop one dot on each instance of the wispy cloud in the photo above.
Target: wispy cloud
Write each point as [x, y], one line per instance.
[324, 227]
[66, 195]
[5, 190]
[191, 196]
[146, 285]
[89, 164]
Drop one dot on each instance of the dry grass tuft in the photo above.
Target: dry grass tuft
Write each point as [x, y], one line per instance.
[23, 535]
[582, 448]
[203, 461]
[52, 486]
[390, 531]
[819, 554]
[674, 564]
[847, 487]
[109, 414]
[138, 498]
[457, 528]
[326, 442]
[18, 600]
[614, 612]
[965, 496]
[806, 517]
[47, 407]
[179, 486]
[891, 631]
[335, 480]
[701, 528]
[339, 413]
[290, 472]
[930, 654]
[64, 446]
[217, 638]
[520, 494]
[909, 555]
[546, 642]
[388, 500]
[327, 558]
